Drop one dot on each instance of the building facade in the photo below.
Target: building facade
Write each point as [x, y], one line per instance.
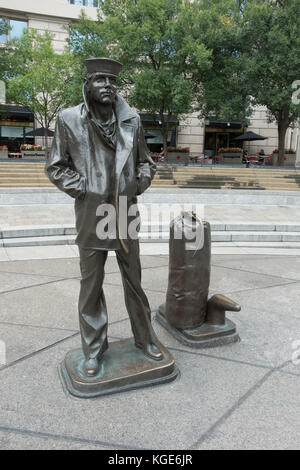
[206, 135]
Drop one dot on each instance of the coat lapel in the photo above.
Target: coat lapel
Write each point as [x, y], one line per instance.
[125, 133]
[124, 146]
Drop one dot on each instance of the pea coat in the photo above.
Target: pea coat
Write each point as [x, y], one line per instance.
[77, 166]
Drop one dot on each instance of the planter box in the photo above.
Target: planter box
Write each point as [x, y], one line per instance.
[231, 158]
[290, 159]
[173, 157]
[38, 154]
[3, 153]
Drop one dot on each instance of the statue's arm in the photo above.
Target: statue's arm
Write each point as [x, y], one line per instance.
[58, 168]
[146, 167]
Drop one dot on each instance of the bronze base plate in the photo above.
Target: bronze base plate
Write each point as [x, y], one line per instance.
[123, 367]
[206, 336]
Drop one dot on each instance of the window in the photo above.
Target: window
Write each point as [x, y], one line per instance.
[16, 28]
[85, 3]
[12, 132]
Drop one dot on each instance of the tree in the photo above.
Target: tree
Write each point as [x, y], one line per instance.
[159, 57]
[223, 89]
[37, 77]
[4, 28]
[271, 43]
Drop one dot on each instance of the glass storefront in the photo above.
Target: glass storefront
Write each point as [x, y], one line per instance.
[153, 134]
[220, 134]
[15, 123]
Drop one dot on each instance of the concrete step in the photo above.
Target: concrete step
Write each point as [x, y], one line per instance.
[257, 186]
[31, 174]
[246, 239]
[230, 181]
[26, 185]
[228, 233]
[230, 176]
[53, 230]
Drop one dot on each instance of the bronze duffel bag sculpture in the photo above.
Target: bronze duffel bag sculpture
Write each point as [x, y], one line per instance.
[188, 314]
[189, 271]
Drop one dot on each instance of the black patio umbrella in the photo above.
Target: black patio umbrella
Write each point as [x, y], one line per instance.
[40, 132]
[249, 135]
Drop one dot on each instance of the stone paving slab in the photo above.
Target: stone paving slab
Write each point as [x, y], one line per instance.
[13, 281]
[50, 305]
[23, 340]
[255, 347]
[70, 267]
[267, 265]
[293, 367]
[57, 268]
[38, 252]
[282, 301]
[24, 440]
[268, 419]
[55, 305]
[169, 416]
[243, 395]
[222, 279]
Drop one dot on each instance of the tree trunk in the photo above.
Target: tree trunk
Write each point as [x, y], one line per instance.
[283, 124]
[46, 138]
[164, 132]
[282, 128]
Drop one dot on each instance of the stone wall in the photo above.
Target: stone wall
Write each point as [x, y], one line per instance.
[190, 133]
[59, 28]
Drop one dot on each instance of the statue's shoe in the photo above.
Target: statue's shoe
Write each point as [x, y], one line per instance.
[151, 350]
[91, 367]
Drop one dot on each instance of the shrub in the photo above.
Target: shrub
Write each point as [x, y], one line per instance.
[287, 151]
[230, 150]
[179, 149]
[29, 147]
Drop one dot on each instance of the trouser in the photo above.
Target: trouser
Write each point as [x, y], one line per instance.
[92, 306]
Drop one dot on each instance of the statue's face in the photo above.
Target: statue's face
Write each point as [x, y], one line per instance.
[103, 89]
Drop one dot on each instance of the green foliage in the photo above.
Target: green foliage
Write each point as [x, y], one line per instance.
[85, 40]
[159, 55]
[37, 77]
[271, 54]
[4, 26]
[223, 91]
[272, 51]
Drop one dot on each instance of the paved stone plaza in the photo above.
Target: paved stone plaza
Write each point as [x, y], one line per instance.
[239, 396]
